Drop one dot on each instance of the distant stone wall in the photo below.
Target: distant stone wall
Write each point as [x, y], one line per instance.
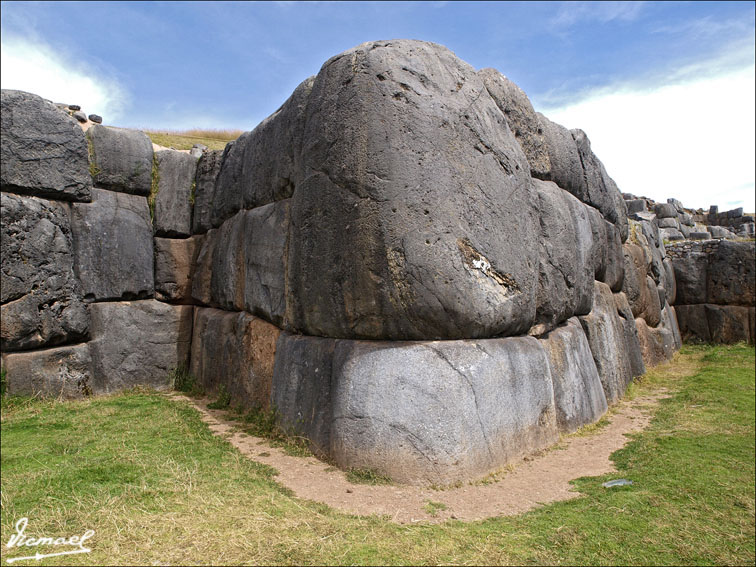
[716, 301]
[417, 271]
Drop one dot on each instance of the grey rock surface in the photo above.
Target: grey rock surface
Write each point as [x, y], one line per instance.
[173, 202]
[175, 263]
[416, 191]
[122, 159]
[138, 343]
[43, 150]
[696, 235]
[636, 206]
[303, 387]
[80, 116]
[631, 343]
[521, 118]
[720, 232]
[731, 277]
[669, 222]
[384, 394]
[208, 168]
[96, 118]
[578, 395]
[657, 344]
[691, 275]
[607, 339]
[671, 234]
[40, 297]
[203, 272]
[113, 248]
[62, 372]
[234, 352]
[677, 205]
[730, 324]
[564, 159]
[566, 268]
[665, 210]
[694, 327]
[642, 216]
[652, 311]
[615, 259]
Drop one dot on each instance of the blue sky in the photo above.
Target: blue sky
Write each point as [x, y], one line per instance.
[664, 90]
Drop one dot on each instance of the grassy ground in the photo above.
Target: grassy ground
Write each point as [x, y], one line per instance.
[185, 139]
[157, 487]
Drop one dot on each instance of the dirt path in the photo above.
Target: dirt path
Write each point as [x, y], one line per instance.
[526, 484]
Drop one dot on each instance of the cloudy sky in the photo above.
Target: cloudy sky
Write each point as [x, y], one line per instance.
[664, 90]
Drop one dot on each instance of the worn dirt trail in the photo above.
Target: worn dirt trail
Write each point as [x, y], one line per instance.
[522, 486]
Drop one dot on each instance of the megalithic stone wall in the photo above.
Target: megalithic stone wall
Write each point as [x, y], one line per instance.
[90, 298]
[406, 262]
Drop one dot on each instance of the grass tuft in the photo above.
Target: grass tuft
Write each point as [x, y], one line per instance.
[367, 476]
[214, 139]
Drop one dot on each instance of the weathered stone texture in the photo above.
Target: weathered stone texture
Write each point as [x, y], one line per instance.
[236, 352]
[113, 248]
[43, 151]
[521, 118]
[208, 168]
[611, 343]
[175, 263]
[731, 276]
[63, 372]
[417, 189]
[173, 202]
[138, 343]
[579, 398]
[40, 295]
[122, 159]
[381, 395]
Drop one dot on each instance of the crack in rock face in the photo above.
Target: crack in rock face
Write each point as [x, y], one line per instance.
[475, 261]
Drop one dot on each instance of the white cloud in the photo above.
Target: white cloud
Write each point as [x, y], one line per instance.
[570, 13]
[35, 67]
[691, 138]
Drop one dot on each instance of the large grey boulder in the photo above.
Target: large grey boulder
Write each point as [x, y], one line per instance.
[720, 232]
[614, 260]
[521, 118]
[62, 372]
[669, 222]
[113, 249]
[202, 277]
[634, 283]
[564, 159]
[40, 296]
[652, 311]
[636, 206]
[266, 165]
[138, 343]
[374, 400]
[416, 190]
[609, 343]
[208, 168]
[234, 352]
[579, 398]
[173, 202]
[43, 150]
[175, 263]
[631, 341]
[731, 275]
[385, 394]
[566, 268]
[657, 344]
[121, 159]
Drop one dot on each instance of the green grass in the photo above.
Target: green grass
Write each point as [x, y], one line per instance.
[367, 476]
[185, 139]
[145, 473]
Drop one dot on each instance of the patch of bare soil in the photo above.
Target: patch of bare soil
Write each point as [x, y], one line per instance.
[531, 482]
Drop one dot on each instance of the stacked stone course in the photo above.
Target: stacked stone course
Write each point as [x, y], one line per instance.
[417, 271]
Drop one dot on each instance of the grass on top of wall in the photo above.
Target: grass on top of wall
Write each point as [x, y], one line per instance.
[185, 139]
[147, 475]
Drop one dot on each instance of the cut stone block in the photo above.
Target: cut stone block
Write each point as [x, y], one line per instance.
[121, 159]
[113, 248]
[63, 372]
[138, 343]
[173, 202]
[43, 150]
[41, 297]
[234, 352]
[175, 263]
[374, 399]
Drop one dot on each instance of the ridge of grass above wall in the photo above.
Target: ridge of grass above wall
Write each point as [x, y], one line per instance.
[147, 475]
[185, 139]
